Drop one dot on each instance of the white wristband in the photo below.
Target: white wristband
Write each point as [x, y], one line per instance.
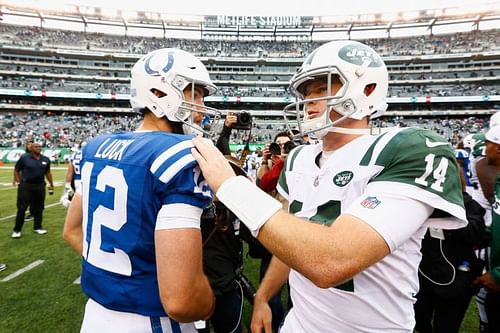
[252, 205]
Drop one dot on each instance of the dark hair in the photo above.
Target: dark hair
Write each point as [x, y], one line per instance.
[280, 134]
[176, 125]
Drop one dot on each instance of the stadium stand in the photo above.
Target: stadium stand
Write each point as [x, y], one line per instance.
[74, 84]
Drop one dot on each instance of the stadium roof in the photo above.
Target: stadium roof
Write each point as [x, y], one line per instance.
[265, 7]
[385, 21]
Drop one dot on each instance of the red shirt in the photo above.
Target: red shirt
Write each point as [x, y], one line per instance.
[269, 181]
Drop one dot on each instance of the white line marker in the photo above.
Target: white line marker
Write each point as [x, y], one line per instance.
[78, 280]
[22, 270]
[48, 206]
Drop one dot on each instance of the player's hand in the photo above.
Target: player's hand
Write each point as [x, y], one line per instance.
[261, 317]
[64, 200]
[68, 190]
[486, 280]
[213, 164]
[50, 189]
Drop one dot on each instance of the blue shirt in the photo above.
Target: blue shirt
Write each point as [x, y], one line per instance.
[33, 170]
[463, 155]
[126, 178]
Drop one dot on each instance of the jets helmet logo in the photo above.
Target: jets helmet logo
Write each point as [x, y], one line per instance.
[343, 178]
[357, 54]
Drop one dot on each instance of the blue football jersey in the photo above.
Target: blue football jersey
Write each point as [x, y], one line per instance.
[463, 155]
[126, 178]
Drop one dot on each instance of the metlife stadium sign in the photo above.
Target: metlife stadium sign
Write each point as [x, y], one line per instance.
[258, 21]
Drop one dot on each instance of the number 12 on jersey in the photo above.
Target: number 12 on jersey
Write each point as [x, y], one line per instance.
[117, 260]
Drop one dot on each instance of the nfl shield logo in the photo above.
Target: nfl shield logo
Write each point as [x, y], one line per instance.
[370, 202]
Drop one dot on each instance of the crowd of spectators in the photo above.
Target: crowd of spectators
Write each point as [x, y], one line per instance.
[424, 88]
[115, 80]
[68, 130]
[466, 42]
[445, 90]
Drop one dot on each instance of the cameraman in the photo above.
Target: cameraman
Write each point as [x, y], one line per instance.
[273, 160]
[223, 140]
[241, 120]
[222, 236]
[223, 263]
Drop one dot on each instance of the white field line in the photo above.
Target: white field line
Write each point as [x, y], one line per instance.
[7, 187]
[11, 167]
[78, 280]
[22, 270]
[48, 206]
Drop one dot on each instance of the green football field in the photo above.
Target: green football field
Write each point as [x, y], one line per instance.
[46, 298]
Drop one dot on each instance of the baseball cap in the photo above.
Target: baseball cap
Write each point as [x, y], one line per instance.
[493, 135]
[495, 119]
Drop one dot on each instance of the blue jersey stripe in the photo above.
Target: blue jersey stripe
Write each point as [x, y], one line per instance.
[176, 328]
[175, 168]
[169, 153]
[156, 325]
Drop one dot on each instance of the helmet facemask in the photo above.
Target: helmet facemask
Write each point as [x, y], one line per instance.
[159, 80]
[364, 80]
[190, 108]
[319, 126]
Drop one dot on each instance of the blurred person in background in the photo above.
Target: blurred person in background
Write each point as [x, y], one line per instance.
[272, 162]
[29, 216]
[252, 163]
[482, 179]
[135, 215]
[224, 137]
[488, 171]
[462, 154]
[222, 235]
[73, 167]
[447, 271]
[30, 173]
[273, 158]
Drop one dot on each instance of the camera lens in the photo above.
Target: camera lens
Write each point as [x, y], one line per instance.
[274, 149]
[288, 146]
[244, 118]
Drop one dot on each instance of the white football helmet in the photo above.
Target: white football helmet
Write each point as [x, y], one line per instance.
[469, 141]
[495, 119]
[170, 71]
[359, 69]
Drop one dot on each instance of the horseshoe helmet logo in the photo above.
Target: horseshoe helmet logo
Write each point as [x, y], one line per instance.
[168, 66]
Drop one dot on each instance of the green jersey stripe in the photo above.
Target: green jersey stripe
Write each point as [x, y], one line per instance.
[368, 156]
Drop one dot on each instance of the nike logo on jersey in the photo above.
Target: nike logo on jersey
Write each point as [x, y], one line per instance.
[433, 144]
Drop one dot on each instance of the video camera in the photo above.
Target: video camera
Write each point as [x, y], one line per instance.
[243, 121]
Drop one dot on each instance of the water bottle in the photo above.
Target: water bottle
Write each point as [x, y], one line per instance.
[464, 267]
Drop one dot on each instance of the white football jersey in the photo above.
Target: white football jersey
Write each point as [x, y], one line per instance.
[412, 164]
